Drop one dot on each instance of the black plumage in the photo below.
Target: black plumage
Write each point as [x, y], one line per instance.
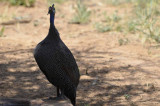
[56, 61]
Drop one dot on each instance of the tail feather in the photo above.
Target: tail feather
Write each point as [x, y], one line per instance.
[71, 94]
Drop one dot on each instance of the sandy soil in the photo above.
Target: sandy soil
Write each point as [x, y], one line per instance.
[126, 75]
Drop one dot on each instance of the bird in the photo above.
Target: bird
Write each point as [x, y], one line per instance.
[57, 62]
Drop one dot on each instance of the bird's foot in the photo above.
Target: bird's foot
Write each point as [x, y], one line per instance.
[63, 97]
[52, 98]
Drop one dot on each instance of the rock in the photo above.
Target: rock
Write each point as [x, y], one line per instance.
[14, 102]
[36, 102]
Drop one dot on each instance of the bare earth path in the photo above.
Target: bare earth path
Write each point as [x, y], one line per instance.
[117, 75]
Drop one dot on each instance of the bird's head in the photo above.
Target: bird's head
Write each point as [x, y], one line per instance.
[51, 9]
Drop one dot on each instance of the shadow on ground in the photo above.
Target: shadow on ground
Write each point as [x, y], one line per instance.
[115, 83]
[105, 85]
[20, 77]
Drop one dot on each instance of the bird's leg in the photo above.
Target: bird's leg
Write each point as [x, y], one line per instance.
[58, 94]
[62, 96]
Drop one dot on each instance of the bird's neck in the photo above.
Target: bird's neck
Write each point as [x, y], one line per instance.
[52, 16]
[53, 33]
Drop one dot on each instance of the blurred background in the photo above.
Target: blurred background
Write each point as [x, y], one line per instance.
[116, 44]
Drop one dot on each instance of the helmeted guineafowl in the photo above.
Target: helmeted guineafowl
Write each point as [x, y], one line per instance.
[56, 61]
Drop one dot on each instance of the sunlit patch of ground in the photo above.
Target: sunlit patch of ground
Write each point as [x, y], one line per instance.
[116, 75]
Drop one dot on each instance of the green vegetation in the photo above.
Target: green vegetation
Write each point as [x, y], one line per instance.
[123, 41]
[5, 16]
[113, 18]
[82, 14]
[27, 3]
[143, 20]
[110, 23]
[127, 96]
[146, 18]
[2, 31]
[131, 25]
[103, 28]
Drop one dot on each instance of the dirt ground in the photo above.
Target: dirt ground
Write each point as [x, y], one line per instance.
[126, 75]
